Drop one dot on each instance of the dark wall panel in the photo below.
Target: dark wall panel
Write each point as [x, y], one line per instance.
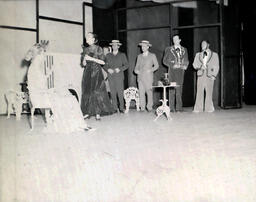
[248, 45]
[103, 25]
[147, 17]
[231, 71]
[231, 84]
[187, 36]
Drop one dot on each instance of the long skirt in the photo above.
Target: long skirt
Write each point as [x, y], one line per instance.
[95, 99]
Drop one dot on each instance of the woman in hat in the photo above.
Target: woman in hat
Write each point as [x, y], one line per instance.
[95, 100]
[145, 66]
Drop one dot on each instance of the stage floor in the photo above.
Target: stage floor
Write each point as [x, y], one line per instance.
[205, 157]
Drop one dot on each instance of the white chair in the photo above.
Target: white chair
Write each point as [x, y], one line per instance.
[130, 94]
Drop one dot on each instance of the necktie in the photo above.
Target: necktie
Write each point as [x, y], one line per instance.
[178, 52]
[204, 54]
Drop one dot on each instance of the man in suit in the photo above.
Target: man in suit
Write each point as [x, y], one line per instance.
[176, 59]
[116, 64]
[145, 66]
[206, 63]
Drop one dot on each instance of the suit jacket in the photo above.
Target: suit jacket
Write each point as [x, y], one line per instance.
[212, 64]
[145, 66]
[116, 61]
[173, 61]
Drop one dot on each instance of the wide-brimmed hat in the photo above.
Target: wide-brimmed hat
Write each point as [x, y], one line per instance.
[145, 42]
[115, 42]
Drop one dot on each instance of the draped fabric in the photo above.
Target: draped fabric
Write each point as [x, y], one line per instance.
[106, 4]
[159, 1]
[103, 4]
[185, 4]
[192, 4]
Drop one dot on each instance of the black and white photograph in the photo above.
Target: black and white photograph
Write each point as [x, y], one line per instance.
[127, 101]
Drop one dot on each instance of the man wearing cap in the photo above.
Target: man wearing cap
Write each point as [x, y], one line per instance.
[145, 66]
[116, 64]
[206, 63]
[176, 59]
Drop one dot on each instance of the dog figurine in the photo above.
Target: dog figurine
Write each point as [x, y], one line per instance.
[163, 109]
[14, 101]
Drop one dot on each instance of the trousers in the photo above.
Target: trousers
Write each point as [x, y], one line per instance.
[175, 95]
[204, 85]
[145, 89]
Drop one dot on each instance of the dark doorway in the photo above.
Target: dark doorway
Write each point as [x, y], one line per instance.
[103, 25]
[248, 14]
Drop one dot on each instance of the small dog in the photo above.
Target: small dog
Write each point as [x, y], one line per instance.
[14, 101]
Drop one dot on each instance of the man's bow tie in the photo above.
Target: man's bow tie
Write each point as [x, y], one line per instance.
[177, 49]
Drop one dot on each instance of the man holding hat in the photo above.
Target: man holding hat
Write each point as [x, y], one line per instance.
[145, 66]
[116, 64]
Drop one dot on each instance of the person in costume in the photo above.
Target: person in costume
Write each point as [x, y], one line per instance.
[95, 100]
[206, 63]
[176, 59]
[145, 66]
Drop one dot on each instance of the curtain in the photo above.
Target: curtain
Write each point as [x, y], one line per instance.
[103, 4]
[225, 2]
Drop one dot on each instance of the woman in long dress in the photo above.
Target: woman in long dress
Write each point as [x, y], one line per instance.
[95, 100]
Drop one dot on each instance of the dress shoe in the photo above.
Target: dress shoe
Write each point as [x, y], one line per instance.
[179, 111]
[195, 111]
[86, 116]
[88, 128]
[210, 111]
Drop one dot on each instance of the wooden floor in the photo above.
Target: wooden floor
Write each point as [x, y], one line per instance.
[205, 157]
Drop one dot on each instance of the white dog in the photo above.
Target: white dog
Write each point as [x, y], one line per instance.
[14, 101]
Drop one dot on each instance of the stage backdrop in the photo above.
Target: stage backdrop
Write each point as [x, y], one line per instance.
[14, 43]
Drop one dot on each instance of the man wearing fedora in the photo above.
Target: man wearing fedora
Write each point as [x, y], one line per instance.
[176, 59]
[116, 64]
[145, 66]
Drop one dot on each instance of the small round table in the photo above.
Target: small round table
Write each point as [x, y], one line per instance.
[164, 108]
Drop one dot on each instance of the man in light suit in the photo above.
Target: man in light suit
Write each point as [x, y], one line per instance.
[176, 59]
[145, 66]
[116, 64]
[206, 63]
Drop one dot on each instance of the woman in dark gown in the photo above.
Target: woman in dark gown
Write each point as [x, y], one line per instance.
[95, 100]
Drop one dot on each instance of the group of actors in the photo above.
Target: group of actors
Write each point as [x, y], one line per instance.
[95, 100]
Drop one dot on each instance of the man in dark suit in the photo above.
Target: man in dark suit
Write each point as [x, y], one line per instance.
[116, 64]
[176, 59]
